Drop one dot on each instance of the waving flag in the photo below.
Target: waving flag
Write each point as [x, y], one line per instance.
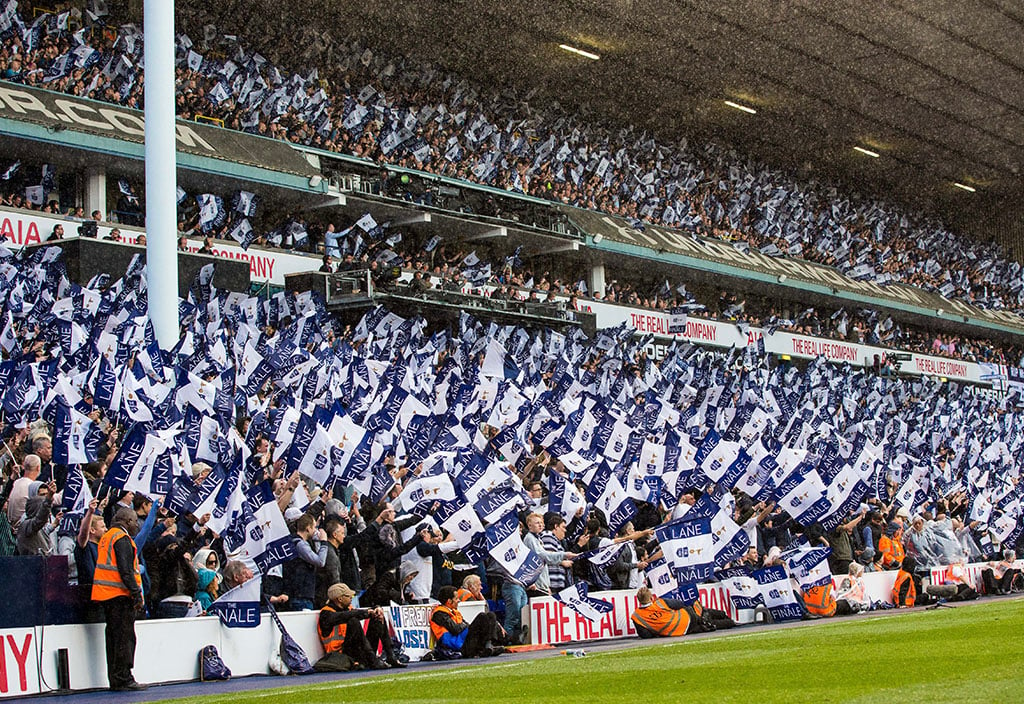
[661, 577]
[730, 541]
[239, 607]
[578, 599]
[76, 495]
[426, 490]
[802, 495]
[744, 591]
[142, 464]
[505, 545]
[604, 554]
[460, 520]
[614, 501]
[490, 505]
[76, 439]
[245, 203]
[688, 548]
[219, 495]
[808, 566]
[563, 496]
[777, 593]
[263, 539]
[311, 452]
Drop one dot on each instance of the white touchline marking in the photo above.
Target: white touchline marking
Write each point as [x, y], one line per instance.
[376, 680]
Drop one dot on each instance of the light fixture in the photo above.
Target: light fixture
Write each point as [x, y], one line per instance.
[867, 152]
[744, 108]
[579, 52]
[939, 311]
[598, 237]
[782, 278]
[964, 186]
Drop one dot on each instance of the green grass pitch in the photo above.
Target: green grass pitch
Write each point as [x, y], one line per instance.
[973, 653]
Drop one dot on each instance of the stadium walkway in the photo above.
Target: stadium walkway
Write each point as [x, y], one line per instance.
[164, 692]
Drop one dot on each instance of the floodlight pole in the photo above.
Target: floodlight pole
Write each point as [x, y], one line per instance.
[161, 172]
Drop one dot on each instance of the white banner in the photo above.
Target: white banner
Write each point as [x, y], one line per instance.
[19, 670]
[410, 623]
[552, 622]
[22, 227]
[264, 265]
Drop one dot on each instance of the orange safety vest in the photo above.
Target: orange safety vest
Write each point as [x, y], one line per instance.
[819, 601]
[466, 595]
[661, 620]
[891, 549]
[902, 577]
[106, 582]
[333, 641]
[437, 629]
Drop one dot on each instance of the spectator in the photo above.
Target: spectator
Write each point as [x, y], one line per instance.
[340, 631]
[472, 589]
[1002, 577]
[455, 638]
[31, 468]
[37, 528]
[206, 588]
[851, 597]
[553, 542]
[300, 572]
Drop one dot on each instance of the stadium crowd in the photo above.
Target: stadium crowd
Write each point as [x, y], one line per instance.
[438, 266]
[399, 462]
[342, 96]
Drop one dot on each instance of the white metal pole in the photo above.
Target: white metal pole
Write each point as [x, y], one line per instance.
[161, 181]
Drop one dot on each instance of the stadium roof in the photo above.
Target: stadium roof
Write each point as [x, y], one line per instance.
[935, 87]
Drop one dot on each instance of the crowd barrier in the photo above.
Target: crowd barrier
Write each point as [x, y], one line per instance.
[168, 649]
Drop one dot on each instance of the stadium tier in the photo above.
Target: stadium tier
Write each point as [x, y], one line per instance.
[446, 356]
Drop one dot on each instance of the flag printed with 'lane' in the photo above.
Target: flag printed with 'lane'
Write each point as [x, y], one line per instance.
[688, 547]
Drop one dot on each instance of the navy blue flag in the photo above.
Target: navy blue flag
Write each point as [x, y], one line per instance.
[76, 438]
[265, 538]
[505, 545]
[777, 593]
[688, 547]
[239, 607]
[577, 598]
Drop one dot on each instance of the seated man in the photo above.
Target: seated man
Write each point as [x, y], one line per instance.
[472, 589]
[456, 639]
[999, 577]
[340, 630]
[954, 579]
[907, 592]
[660, 618]
[819, 602]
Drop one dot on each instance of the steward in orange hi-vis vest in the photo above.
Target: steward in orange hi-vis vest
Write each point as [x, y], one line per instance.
[107, 582]
[656, 618]
[819, 601]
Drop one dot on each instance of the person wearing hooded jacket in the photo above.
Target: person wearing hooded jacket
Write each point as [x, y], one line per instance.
[36, 530]
[206, 588]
